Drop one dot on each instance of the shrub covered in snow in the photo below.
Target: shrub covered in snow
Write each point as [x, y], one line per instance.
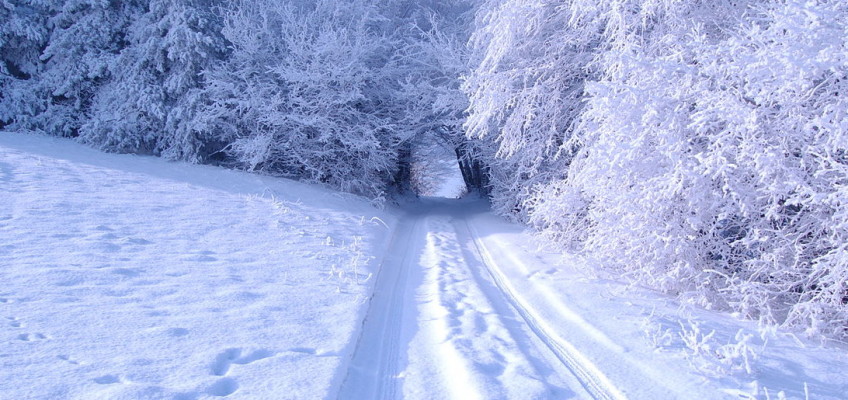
[310, 91]
[708, 153]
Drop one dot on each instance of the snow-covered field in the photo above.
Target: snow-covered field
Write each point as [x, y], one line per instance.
[127, 277]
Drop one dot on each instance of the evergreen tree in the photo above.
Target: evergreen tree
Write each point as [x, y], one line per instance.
[150, 104]
[23, 34]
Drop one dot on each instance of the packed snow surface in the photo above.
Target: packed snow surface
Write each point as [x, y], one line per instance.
[128, 277]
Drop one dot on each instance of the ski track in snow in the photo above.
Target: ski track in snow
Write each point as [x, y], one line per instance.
[376, 363]
[590, 377]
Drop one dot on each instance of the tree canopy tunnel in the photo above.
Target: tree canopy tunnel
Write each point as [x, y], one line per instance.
[439, 166]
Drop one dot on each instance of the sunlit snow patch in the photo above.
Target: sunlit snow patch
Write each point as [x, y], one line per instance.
[435, 170]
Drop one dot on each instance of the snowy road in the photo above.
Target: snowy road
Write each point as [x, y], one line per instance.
[444, 323]
[465, 307]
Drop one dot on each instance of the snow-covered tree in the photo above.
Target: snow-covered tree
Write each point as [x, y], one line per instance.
[310, 91]
[123, 76]
[525, 91]
[150, 103]
[23, 34]
[435, 57]
[710, 153]
[86, 38]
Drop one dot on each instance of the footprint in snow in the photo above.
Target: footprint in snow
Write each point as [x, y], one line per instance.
[200, 258]
[223, 362]
[67, 358]
[128, 272]
[158, 313]
[136, 241]
[313, 352]
[547, 273]
[108, 236]
[32, 337]
[108, 247]
[177, 332]
[223, 387]
[107, 379]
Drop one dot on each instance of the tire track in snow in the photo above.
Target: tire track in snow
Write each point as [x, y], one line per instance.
[443, 322]
[592, 379]
[374, 370]
[473, 337]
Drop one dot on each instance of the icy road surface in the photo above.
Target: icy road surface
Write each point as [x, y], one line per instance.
[127, 277]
